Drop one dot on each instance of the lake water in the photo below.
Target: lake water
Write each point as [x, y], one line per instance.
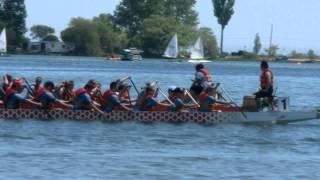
[31, 149]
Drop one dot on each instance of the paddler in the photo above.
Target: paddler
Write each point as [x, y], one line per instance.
[83, 100]
[148, 101]
[66, 92]
[110, 100]
[35, 87]
[46, 97]
[13, 98]
[266, 82]
[202, 80]
[178, 97]
[208, 100]
[124, 93]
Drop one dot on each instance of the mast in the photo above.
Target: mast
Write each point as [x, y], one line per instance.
[271, 36]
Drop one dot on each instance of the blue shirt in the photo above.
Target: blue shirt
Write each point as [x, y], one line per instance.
[82, 100]
[111, 102]
[14, 101]
[47, 98]
[209, 101]
[178, 105]
[148, 104]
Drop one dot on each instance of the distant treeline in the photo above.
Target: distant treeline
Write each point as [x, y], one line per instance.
[145, 24]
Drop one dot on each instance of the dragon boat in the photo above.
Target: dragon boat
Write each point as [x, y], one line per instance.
[170, 117]
[280, 114]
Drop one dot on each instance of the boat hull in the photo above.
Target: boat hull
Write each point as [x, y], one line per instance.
[169, 117]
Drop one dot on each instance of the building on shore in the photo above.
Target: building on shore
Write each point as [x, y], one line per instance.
[49, 47]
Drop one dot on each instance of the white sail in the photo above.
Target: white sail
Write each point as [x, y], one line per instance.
[3, 41]
[197, 50]
[172, 48]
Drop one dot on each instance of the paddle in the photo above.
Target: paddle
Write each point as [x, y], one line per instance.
[33, 93]
[232, 101]
[134, 86]
[30, 90]
[190, 96]
[164, 95]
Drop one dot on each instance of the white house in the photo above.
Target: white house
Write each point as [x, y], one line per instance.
[49, 47]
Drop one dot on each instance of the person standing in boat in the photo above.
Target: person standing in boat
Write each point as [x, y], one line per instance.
[266, 82]
[202, 80]
[110, 100]
[13, 98]
[83, 100]
[46, 97]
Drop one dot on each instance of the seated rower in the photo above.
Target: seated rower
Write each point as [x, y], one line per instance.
[110, 101]
[124, 93]
[47, 99]
[35, 87]
[208, 100]
[143, 93]
[177, 97]
[83, 100]
[148, 102]
[13, 97]
[67, 92]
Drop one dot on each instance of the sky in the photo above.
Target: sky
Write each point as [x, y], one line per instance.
[296, 23]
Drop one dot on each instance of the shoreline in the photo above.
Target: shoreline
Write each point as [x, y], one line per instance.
[228, 59]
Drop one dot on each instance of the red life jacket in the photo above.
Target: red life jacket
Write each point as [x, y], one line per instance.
[143, 105]
[10, 92]
[105, 96]
[206, 74]
[40, 92]
[80, 91]
[203, 97]
[264, 78]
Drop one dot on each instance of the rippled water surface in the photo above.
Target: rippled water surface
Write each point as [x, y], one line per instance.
[31, 149]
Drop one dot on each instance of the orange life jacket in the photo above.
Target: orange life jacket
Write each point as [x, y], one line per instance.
[206, 74]
[264, 78]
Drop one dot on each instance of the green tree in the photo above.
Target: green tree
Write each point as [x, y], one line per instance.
[51, 37]
[156, 33]
[182, 10]
[13, 14]
[272, 51]
[83, 34]
[223, 10]
[257, 45]
[311, 54]
[131, 14]
[41, 31]
[97, 36]
[112, 39]
[209, 42]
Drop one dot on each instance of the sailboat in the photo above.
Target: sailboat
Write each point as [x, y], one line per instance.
[197, 52]
[3, 43]
[172, 50]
